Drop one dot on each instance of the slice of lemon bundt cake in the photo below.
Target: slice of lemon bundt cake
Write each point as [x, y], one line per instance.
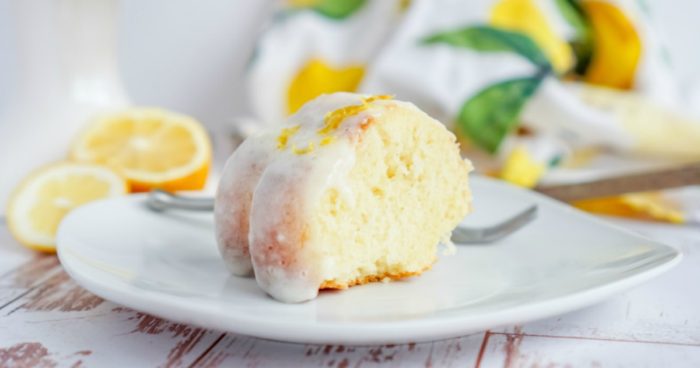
[353, 189]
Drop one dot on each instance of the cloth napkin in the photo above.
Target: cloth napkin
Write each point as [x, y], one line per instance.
[537, 90]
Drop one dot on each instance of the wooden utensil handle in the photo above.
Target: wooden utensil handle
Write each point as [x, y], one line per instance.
[656, 180]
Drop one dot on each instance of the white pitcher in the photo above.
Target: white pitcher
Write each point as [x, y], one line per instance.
[67, 65]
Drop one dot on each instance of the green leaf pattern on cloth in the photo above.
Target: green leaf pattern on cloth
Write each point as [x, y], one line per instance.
[338, 9]
[492, 39]
[582, 44]
[489, 115]
[492, 113]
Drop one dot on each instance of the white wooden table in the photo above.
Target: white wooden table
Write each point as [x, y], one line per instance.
[47, 320]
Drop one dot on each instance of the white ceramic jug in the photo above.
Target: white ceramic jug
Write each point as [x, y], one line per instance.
[66, 51]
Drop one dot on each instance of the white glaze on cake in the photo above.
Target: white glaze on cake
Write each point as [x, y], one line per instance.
[234, 197]
[268, 188]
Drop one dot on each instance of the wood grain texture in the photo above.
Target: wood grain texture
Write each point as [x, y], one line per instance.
[11, 254]
[518, 350]
[24, 277]
[234, 351]
[49, 321]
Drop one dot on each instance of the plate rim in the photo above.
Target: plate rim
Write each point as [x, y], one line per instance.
[355, 333]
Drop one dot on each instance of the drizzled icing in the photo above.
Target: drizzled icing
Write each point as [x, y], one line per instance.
[332, 121]
[313, 152]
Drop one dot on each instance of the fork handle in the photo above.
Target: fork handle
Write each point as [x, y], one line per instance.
[656, 180]
[161, 200]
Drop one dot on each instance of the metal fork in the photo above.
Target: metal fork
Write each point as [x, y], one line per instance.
[161, 200]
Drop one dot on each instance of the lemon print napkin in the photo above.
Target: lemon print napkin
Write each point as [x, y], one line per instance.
[543, 87]
[315, 47]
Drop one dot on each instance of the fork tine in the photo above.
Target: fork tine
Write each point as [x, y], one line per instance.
[465, 235]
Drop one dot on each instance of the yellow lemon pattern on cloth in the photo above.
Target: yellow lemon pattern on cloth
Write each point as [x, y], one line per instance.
[524, 16]
[316, 77]
[302, 3]
[617, 48]
[567, 71]
[522, 169]
[643, 206]
[655, 130]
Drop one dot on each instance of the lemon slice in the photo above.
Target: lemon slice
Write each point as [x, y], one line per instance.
[152, 148]
[40, 202]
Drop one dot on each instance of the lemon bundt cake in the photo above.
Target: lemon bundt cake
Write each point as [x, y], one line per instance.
[354, 189]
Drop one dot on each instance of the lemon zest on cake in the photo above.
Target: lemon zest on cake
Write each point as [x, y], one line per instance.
[302, 151]
[333, 119]
[327, 140]
[371, 99]
[284, 136]
[331, 122]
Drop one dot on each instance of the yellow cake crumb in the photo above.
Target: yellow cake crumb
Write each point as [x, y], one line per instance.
[409, 188]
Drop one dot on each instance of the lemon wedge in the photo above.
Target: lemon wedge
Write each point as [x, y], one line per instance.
[40, 202]
[152, 148]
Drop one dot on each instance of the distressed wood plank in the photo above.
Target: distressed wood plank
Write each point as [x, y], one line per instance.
[23, 278]
[12, 255]
[235, 350]
[522, 350]
[57, 323]
[20, 268]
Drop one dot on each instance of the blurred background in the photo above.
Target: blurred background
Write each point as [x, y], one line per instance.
[190, 56]
[538, 91]
[176, 54]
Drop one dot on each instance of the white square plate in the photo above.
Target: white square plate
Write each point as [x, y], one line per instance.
[168, 265]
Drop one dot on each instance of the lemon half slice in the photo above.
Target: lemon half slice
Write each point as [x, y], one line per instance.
[152, 148]
[40, 202]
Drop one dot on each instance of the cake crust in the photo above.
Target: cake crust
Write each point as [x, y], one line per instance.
[334, 285]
